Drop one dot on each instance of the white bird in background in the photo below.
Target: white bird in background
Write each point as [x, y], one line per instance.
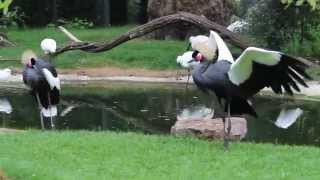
[48, 45]
[5, 74]
[238, 26]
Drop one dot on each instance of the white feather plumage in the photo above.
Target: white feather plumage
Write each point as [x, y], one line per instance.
[50, 112]
[48, 46]
[53, 81]
[223, 50]
[288, 117]
[184, 60]
[5, 106]
[5, 74]
[241, 69]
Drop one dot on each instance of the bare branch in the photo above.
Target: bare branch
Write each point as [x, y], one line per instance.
[181, 17]
[69, 34]
[5, 42]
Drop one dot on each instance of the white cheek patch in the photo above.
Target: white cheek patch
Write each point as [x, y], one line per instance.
[241, 69]
[52, 81]
[184, 60]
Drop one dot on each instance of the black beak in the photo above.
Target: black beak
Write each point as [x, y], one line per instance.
[192, 60]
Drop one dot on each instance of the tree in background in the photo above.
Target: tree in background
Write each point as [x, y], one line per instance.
[276, 22]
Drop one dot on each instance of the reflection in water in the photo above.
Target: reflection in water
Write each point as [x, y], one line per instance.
[196, 112]
[5, 106]
[153, 108]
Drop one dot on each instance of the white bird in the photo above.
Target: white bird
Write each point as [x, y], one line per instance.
[48, 45]
[238, 26]
[5, 74]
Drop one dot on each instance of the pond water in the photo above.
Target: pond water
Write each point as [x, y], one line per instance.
[152, 109]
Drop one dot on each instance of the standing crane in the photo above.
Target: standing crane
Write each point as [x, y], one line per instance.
[235, 81]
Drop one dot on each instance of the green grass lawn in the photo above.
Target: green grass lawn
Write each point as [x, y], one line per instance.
[139, 53]
[107, 155]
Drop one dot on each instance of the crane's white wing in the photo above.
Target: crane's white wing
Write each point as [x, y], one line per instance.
[257, 68]
[241, 69]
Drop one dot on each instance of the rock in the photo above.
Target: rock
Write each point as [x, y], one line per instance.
[219, 11]
[209, 128]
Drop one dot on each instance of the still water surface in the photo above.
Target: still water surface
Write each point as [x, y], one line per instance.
[152, 108]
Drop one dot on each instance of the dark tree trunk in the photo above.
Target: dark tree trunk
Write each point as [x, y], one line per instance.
[54, 11]
[103, 12]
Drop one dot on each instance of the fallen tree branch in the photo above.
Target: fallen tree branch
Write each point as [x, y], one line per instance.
[4, 42]
[69, 34]
[181, 17]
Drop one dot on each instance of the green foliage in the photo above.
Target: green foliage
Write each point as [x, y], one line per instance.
[244, 5]
[106, 155]
[12, 18]
[312, 3]
[78, 23]
[308, 48]
[271, 21]
[4, 5]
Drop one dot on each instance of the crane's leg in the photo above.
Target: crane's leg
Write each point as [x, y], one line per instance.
[229, 126]
[51, 118]
[188, 79]
[40, 107]
[177, 75]
[225, 141]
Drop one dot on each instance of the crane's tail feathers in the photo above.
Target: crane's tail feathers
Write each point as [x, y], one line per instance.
[288, 117]
[240, 106]
[54, 82]
[51, 111]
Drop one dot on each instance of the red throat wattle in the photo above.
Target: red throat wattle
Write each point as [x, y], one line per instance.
[29, 64]
[199, 57]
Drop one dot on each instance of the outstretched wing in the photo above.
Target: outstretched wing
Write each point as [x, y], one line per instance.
[258, 68]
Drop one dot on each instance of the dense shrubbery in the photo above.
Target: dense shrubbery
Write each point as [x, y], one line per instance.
[12, 17]
[293, 28]
[307, 48]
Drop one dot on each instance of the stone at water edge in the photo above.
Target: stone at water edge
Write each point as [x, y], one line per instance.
[209, 128]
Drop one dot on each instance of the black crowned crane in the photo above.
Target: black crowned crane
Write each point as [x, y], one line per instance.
[42, 79]
[235, 81]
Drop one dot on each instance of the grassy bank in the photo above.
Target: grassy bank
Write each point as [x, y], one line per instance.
[150, 54]
[106, 155]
